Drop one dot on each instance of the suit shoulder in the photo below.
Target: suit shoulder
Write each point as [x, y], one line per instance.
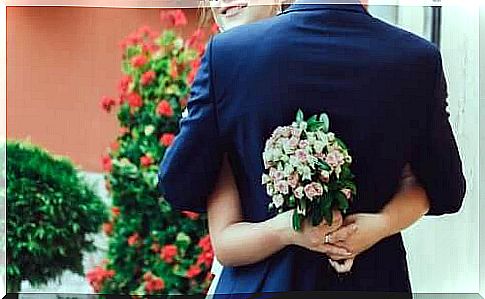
[245, 35]
[407, 40]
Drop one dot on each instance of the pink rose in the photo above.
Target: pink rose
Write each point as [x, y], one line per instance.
[310, 192]
[279, 175]
[313, 189]
[301, 155]
[318, 188]
[293, 142]
[282, 187]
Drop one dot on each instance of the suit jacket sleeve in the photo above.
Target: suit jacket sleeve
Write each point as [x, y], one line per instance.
[437, 164]
[191, 165]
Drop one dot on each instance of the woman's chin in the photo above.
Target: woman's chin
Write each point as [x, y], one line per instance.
[226, 25]
[235, 21]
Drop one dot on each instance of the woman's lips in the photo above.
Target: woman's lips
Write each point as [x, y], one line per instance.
[232, 10]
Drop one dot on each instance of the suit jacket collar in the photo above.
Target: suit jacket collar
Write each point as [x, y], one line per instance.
[345, 5]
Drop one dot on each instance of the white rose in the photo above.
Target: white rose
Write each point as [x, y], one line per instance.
[294, 161]
[311, 137]
[278, 200]
[277, 153]
[288, 169]
[318, 146]
[322, 137]
[306, 173]
[269, 189]
[265, 179]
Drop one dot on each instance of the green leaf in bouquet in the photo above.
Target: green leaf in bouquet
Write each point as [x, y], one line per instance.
[299, 116]
[302, 204]
[312, 120]
[325, 122]
[317, 215]
[350, 185]
[323, 165]
[342, 202]
[325, 202]
[291, 201]
[340, 143]
[315, 126]
[296, 221]
[346, 174]
[327, 215]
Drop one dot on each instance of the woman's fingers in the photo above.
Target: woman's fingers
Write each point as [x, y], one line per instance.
[343, 233]
[332, 250]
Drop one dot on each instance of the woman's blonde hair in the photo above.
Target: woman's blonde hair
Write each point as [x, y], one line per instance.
[204, 13]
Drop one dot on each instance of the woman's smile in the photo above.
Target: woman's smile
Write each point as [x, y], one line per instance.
[232, 9]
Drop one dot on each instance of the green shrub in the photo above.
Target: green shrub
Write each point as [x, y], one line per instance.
[50, 212]
[153, 249]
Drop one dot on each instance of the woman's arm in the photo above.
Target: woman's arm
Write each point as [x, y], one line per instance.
[239, 243]
[408, 205]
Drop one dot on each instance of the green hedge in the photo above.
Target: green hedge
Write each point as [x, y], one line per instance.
[50, 212]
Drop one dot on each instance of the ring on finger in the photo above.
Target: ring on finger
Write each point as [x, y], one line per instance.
[327, 239]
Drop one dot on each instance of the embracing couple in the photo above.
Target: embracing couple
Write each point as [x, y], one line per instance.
[385, 92]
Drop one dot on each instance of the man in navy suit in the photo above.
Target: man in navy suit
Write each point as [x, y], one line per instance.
[385, 93]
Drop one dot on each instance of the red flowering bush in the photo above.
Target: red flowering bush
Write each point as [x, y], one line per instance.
[152, 249]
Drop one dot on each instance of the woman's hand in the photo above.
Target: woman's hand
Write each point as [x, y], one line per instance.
[368, 230]
[313, 237]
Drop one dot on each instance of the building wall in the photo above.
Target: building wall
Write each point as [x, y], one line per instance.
[482, 146]
[443, 251]
[60, 62]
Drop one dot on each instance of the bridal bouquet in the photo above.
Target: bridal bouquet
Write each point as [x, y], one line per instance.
[308, 168]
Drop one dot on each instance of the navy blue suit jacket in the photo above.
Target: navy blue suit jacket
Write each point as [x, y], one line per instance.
[385, 93]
